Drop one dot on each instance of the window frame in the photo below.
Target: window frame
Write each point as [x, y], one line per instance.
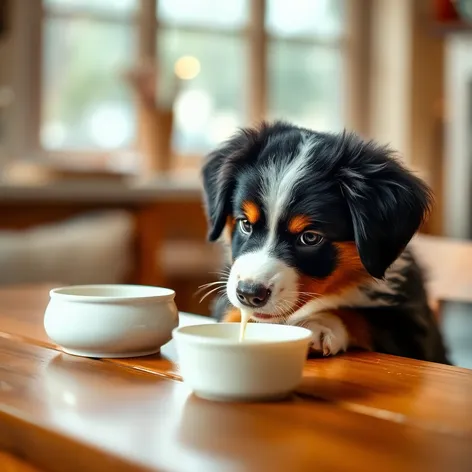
[352, 45]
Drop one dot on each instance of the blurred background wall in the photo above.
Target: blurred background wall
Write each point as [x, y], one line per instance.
[107, 107]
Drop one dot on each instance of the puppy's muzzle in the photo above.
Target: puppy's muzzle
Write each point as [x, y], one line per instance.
[252, 294]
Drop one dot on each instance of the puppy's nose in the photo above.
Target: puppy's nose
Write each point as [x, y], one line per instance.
[252, 294]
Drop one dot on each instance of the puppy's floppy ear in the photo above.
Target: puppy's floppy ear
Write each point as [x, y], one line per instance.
[220, 171]
[387, 202]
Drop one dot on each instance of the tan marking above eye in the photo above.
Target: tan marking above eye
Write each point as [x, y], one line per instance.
[251, 211]
[298, 223]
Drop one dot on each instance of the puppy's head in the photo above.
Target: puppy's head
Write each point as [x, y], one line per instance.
[307, 214]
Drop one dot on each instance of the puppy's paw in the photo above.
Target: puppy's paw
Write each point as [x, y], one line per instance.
[329, 334]
[232, 315]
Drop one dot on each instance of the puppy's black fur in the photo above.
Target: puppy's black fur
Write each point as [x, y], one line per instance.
[352, 191]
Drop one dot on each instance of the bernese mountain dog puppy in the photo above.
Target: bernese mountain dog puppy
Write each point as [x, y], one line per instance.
[317, 226]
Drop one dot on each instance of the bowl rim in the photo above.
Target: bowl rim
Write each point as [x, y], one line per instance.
[162, 294]
[179, 332]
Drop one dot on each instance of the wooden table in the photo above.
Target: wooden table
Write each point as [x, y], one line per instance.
[356, 412]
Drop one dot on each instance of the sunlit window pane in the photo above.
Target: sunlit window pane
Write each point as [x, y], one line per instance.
[211, 13]
[322, 18]
[104, 6]
[86, 103]
[305, 85]
[211, 96]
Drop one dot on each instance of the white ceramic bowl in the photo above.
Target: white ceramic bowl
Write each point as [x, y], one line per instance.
[111, 320]
[268, 364]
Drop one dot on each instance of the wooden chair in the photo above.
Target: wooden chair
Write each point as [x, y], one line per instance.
[448, 263]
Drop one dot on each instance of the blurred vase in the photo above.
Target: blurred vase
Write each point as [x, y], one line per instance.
[156, 140]
[6, 101]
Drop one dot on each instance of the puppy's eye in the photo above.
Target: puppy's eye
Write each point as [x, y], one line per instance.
[245, 226]
[310, 238]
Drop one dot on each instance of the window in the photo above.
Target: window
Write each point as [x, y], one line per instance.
[220, 65]
[305, 66]
[211, 33]
[85, 104]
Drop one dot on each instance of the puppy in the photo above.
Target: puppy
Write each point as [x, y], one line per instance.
[317, 226]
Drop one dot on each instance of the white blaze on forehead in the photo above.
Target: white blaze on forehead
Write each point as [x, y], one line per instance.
[258, 266]
[279, 180]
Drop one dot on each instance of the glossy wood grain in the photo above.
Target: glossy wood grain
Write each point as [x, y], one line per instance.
[149, 422]
[430, 396]
[372, 384]
[351, 412]
[22, 312]
[10, 463]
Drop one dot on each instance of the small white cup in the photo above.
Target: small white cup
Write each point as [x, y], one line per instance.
[268, 364]
[111, 320]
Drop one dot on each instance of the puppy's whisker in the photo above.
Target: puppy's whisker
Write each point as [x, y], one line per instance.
[217, 289]
[202, 288]
[218, 292]
[303, 301]
[293, 309]
[283, 306]
[210, 284]
[314, 294]
[222, 272]
[300, 301]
